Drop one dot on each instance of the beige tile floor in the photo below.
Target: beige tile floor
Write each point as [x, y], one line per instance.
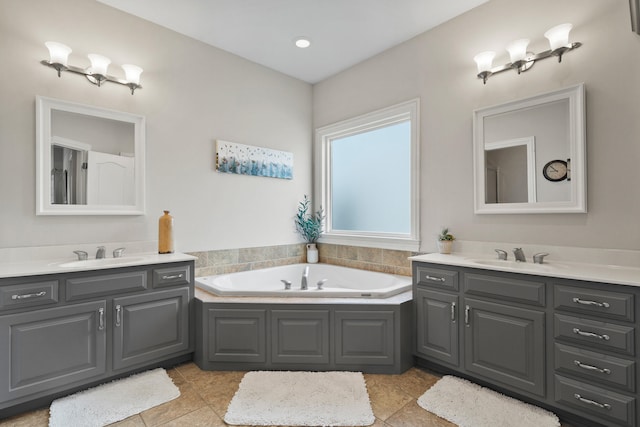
[205, 396]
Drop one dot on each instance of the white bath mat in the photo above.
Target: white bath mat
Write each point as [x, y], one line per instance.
[113, 401]
[301, 399]
[469, 405]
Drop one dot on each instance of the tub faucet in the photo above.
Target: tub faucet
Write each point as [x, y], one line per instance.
[100, 253]
[305, 277]
[517, 252]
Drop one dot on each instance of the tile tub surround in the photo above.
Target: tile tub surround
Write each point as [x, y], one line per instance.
[205, 396]
[226, 261]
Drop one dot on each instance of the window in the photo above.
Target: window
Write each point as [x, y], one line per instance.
[367, 178]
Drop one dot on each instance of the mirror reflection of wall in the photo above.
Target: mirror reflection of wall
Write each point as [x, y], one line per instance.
[549, 124]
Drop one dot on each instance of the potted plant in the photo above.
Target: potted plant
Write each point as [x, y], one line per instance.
[309, 225]
[445, 241]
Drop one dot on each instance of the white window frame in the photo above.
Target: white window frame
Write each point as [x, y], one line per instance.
[409, 110]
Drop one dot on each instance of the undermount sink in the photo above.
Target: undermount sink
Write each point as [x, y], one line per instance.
[517, 265]
[102, 262]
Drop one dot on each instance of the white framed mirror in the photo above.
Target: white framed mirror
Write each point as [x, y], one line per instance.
[89, 160]
[530, 155]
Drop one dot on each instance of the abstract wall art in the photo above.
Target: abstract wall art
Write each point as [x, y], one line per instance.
[244, 159]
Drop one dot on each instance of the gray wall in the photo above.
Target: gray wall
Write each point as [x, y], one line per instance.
[192, 95]
[438, 67]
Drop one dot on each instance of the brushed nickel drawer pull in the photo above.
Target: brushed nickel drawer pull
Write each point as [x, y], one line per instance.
[100, 319]
[435, 279]
[592, 402]
[118, 315]
[591, 367]
[175, 276]
[587, 302]
[25, 296]
[591, 334]
[466, 315]
[453, 311]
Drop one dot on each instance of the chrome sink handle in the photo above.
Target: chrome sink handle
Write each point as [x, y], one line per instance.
[100, 252]
[117, 253]
[501, 254]
[82, 255]
[320, 283]
[539, 257]
[287, 284]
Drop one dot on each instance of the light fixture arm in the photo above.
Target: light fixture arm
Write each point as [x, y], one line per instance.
[96, 79]
[528, 62]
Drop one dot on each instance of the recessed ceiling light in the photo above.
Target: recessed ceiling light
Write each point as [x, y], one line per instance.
[302, 42]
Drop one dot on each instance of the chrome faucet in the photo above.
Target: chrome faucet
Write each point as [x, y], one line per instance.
[501, 254]
[100, 253]
[539, 257]
[517, 252]
[305, 277]
[117, 253]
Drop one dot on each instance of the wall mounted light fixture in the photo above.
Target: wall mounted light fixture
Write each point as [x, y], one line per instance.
[521, 59]
[97, 72]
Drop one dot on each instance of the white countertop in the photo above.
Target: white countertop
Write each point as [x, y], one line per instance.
[35, 267]
[615, 274]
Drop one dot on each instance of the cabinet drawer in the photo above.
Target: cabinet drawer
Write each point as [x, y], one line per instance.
[604, 369]
[613, 305]
[593, 333]
[436, 277]
[606, 405]
[85, 287]
[171, 276]
[28, 295]
[505, 288]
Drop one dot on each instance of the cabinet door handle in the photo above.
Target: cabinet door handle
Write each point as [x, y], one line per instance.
[467, 309]
[25, 296]
[118, 311]
[591, 367]
[100, 319]
[591, 334]
[175, 276]
[453, 311]
[588, 302]
[592, 402]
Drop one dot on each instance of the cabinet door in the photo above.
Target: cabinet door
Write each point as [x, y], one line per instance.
[44, 349]
[300, 336]
[149, 326]
[364, 337]
[437, 325]
[505, 344]
[236, 335]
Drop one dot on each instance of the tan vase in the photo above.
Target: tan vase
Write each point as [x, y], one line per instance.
[444, 246]
[165, 234]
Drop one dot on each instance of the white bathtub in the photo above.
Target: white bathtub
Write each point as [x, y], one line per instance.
[341, 282]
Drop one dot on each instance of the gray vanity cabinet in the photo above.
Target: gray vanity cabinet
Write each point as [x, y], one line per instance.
[62, 332]
[48, 348]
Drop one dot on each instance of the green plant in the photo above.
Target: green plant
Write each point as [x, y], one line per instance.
[445, 235]
[309, 225]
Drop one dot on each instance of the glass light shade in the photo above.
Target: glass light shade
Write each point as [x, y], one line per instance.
[99, 64]
[558, 36]
[58, 53]
[132, 73]
[484, 60]
[518, 49]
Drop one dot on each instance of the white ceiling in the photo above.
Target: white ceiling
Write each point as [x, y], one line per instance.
[342, 32]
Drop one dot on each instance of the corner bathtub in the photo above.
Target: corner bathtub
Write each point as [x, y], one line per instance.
[341, 282]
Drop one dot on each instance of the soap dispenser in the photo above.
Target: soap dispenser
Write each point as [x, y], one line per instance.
[165, 234]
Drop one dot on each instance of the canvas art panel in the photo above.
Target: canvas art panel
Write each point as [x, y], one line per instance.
[244, 159]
